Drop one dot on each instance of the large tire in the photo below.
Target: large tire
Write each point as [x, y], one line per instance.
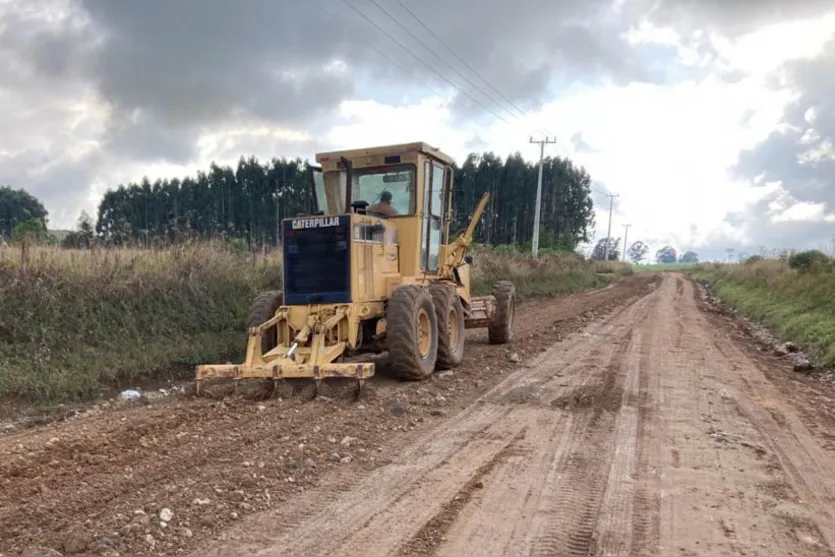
[412, 333]
[263, 309]
[500, 330]
[450, 316]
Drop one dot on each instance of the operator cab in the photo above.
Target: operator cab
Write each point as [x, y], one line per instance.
[408, 183]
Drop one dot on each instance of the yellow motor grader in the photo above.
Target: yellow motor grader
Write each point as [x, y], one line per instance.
[373, 270]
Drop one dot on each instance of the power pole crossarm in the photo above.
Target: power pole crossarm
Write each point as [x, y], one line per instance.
[538, 206]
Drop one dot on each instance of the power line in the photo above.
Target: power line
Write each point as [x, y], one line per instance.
[344, 26]
[435, 54]
[434, 35]
[468, 66]
[413, 55]
[371, 46]
[521, 112]
[383, 54]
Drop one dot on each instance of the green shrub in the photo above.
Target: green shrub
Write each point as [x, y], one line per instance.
[809, 261]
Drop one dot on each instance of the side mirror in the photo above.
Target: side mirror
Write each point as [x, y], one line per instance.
[468, 259]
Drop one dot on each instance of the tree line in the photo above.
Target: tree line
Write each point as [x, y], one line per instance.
[638, 252]
[247, 203]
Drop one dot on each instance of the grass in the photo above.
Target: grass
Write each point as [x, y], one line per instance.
[659, 267]
[75, 321]
[75, 325]
[549, 275]
[796, 306]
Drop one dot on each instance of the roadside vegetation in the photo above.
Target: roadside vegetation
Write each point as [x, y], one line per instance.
[661, 267]
[162, 277]
[76, 324]
[76, 321]
[793, 297]
[552, 273]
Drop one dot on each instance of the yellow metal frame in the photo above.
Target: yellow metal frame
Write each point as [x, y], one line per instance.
[294, 361]
[310, 339]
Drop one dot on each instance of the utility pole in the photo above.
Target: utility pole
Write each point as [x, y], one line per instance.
[625, 233]
[612, 197]
[538, 209]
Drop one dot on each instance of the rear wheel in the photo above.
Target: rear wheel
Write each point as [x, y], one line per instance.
[412, 333]
[450, 315]
[263, 309]
[500, 330]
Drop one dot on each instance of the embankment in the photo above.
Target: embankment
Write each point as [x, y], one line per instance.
[797, 306]
[75, 325]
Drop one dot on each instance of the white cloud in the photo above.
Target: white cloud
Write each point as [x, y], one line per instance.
[665, 148]
[767, 49]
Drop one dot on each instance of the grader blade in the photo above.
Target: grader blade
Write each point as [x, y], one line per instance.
[314, 361]
[273, 372]
[286, 369]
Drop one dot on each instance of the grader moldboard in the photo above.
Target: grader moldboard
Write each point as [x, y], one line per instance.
[362, 278]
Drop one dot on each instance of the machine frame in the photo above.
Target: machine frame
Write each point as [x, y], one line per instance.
[392, 265]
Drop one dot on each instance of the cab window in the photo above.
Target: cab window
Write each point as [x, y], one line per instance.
[372, 185]
[377, 184]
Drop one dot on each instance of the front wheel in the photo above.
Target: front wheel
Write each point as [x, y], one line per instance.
[263, 309]
[500, 330]
[412, 332]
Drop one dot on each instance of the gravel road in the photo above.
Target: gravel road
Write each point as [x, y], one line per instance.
[625, 421]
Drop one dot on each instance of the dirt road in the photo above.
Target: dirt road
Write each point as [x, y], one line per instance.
[635, 423]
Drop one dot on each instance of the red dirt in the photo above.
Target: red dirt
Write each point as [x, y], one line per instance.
[641, 420]
[96, 484]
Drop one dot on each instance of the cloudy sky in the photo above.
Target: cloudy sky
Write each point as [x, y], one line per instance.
[713, 120]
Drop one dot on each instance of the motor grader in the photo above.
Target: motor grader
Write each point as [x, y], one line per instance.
[372, 270]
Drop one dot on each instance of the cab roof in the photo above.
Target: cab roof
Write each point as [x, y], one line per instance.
[418, 146]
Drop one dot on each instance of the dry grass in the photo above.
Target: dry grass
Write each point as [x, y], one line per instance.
[797, 306]
[549, 275]
[73, 322]
[77, 324]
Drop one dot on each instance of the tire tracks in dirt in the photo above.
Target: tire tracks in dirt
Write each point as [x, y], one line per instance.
[244, 457]
[410, 508]
[648, 432]
[728, 467]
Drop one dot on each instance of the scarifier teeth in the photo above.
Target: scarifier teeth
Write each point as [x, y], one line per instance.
[256, 389]
[215, 388]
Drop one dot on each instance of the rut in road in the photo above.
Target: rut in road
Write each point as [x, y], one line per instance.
[247, 458]
[543, 429]
[648, 433]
